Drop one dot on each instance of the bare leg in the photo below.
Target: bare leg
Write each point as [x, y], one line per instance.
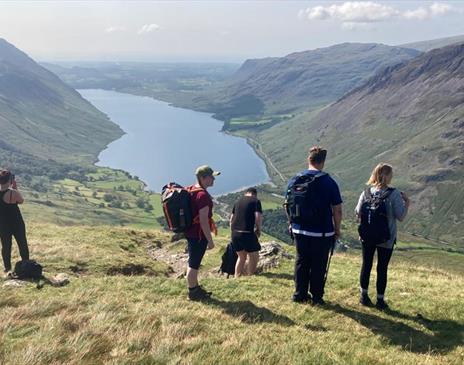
[240, 265]
[253, 258]
[192, 277]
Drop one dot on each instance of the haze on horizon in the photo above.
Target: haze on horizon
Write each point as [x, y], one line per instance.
[223, 31]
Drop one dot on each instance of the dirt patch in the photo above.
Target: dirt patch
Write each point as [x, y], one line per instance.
[129, 270]
[78, 269]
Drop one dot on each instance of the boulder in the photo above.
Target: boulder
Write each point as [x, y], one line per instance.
[270, 256]
[60, 279]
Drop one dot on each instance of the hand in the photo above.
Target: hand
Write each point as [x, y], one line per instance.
[257, 232]
[210, 245]
[406, 199]
[338, 234]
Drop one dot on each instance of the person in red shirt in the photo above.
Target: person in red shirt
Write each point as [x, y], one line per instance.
[199, 235]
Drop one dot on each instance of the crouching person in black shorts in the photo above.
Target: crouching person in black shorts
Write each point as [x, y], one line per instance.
[246, 215]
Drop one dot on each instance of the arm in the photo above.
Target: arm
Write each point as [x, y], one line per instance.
[204, 224]
[14, 197]
[358, 207]
[337, 218]
[258, 223]
[400, 205]
[230, 220]
[18, 197]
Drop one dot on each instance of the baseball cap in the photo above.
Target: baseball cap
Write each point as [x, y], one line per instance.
[205, 170]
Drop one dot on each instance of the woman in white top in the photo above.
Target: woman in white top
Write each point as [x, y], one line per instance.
[397, 204]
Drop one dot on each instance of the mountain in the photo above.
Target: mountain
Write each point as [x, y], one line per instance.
[43, 120]
[300, 80]
[425, 46]
[410, 115]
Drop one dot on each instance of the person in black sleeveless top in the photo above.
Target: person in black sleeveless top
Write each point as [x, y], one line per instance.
[246, 215]
[11, 220]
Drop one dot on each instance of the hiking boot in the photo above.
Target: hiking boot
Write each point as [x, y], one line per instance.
[365, 300]
[318, 302]
[198, 293]
[208, 293]
[381, 305]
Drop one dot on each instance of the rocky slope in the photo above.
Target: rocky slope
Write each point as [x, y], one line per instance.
[300, 80]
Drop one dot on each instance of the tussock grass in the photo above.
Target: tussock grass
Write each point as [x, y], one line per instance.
[146, 319]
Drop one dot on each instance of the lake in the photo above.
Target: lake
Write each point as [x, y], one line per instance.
[164, 143]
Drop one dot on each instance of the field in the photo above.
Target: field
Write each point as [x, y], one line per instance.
[106, 317]
[105, 197]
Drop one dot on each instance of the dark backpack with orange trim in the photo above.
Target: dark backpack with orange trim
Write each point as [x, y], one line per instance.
[177, 207]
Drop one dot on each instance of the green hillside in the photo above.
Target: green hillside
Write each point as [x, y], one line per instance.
[404, 115]
[43, 119]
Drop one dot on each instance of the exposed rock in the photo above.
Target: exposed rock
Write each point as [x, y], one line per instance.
[14, 283]
[341, 246]
[177, 261]
[270, 256]
[60, 279]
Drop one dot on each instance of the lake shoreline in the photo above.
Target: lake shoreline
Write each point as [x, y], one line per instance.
[267, 178]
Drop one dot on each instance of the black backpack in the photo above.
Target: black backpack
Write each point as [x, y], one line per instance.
[177, 207]
[374, 229]
[301, 202]
[28, 269]
[229, 259]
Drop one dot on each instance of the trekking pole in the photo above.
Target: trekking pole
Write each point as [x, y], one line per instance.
[328, 262]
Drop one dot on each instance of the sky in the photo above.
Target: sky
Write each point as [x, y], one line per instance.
[219, 31]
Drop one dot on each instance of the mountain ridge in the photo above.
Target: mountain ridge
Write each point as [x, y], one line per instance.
[302, 80]
[42, 116]
[404, 115]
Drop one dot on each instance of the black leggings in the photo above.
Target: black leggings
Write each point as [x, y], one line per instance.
[383, 258]
[7, 241]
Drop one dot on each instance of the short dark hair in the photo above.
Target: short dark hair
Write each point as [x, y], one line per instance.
[5, 177]
[251, 191]
[317, 155]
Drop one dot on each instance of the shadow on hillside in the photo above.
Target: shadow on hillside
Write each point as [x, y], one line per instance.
[275, 275]
[250, 313]
[446, 335]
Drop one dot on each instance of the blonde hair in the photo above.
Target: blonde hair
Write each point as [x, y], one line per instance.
[380, 175]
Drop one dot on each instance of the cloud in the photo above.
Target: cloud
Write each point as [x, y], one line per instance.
[440, 8]
[113, 29]
[148, 28]
[351, 13]
[436, 9]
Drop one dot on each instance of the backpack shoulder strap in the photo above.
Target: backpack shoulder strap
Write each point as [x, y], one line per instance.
[194, 189]
[367, 193]
[387, 193]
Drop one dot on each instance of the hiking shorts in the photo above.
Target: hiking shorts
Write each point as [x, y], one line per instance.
[248, 242]
[196, 251]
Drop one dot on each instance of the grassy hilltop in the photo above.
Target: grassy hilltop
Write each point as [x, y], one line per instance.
[124, 304]
[105, 317]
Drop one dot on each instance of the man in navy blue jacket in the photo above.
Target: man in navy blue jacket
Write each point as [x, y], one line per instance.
[315, 233]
